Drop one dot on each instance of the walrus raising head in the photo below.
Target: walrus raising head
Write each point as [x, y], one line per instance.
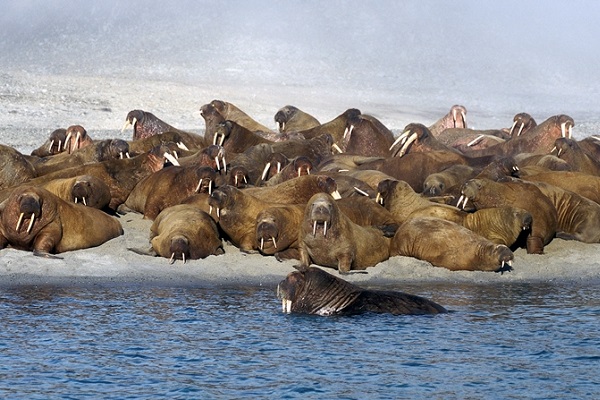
[321, 214]
[314, 291]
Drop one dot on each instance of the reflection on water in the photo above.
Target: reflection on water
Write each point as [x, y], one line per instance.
[510, 341]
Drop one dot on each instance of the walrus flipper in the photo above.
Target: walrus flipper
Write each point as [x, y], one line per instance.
[44, 254]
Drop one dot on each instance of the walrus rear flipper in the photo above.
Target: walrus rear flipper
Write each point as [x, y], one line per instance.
[39, 253]
[149, 252]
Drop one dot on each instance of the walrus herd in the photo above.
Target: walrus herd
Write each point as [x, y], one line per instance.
[344, 194]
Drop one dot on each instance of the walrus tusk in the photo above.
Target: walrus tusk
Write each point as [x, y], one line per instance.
[75, 201]
[199, 185]
[19, 222]
[563, 129]
[288, 306]
[379, 198]
[361, 191]
[314, 228]
[521, 129]
[175, 154]
[182, 146]
[245, 180]
[210, 187]
[31, 223]
[400, 138]
[172, 259]
[512, 128]
[84, 202]
[51, 144]
[274, 241]
[129, 123]
[559, 151]
[348, 132]
[336, 195]
[570, 131]
[262, 243]
[218, 163]
[218, 212]
[77, 140]
[209, 210]
[325, 229]
[464, 201]
[407, 144]
[337, 148]
[224, 165]
[475, 141]
[127, 154]
[68, 140]
[171, 159]
[265, 171]
[553, 150]
[299, 171]
[121, 155]
[278, 166]
[183, 257]
[235, 181]
[59, 144]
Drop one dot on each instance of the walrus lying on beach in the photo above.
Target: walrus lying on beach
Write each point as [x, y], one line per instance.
[314, 291]
[449, 245]
[329, 238]
[32, 218]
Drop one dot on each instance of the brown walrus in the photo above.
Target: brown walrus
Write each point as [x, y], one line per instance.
[292, 119]
[314, 291]
[32, 218]
[54, 144]
[568, 149]
[456, 118]
[485, 193]
[145, 124]
[449, 245]
[184, 232]
[16, 168]
[297, 190]
[366, 135]
[231, 112]
[330, 239]
[77, 138]
[235, 138]
[168, 187]
[441, 182]
[85, 189]
[583, 184]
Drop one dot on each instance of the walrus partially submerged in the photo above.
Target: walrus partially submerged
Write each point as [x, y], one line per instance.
[314, 291]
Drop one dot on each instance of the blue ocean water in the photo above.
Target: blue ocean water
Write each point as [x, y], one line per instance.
[500, 341]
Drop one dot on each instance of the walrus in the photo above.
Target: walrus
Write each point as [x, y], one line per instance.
[96, 152]
[146, 124]
[121, 175]
[441, 182]
[296, 167]
[233, 113]
[187, 143]
[76, 138]
[336, 127]
[449, 245]
[581, 183]
[275, 162]
[568, 149]
[297, 190]
[330, 239]
[455, 118]
[32, 218]
[53, 145]
[184, 232]
[292, 119]
[278, 227]
[235, 138]
[85, 189]
[314, 291]
[366, 135]
[168, 187]
[16, 169]
[501, 225]
[522, 123]
[485, 193]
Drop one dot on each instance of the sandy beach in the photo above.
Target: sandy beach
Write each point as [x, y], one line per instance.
[53, 78]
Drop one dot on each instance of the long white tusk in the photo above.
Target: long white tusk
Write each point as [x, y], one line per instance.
[464, 118]
[265, 171]
[19, 222]
[570, 131]
[325, 229]
[563, 129]
[314, 228]
[127, 155]
[361, 191]
[475, 141]
[199, 185]
[210, 209]
[51, 144]
[75, 200]
[274, 242]
[171, 159]
[222, 140]
[379, 198]
[218, 212]
[127, 125]
[175, 154]
[336, 195]
[218, 163]
[559, 151]
[215, 139]
[59, 144]
[77, 140]
[521, 129]
[121, 155]
[172, 259]
[406, 145]
[262, 243]
[512, 128]
[403, 136]
[182, 146]
[31, 223]
[68, 140]
[224, 165]
[183, 257]
[210, 187]
[298, 171]
[348, 132]
[460, 199]
[84, 202]
[337, 148]
[278, 166]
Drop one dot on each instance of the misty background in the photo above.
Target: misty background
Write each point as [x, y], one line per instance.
[496, 58]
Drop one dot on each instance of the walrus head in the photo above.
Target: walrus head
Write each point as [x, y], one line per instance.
[522, 122]
[321, 212]
[565, 146]
[266, 233]
[56, 142]
[314, 291]
[76, 138]
[413, 133]
[30, 207]
[328, 185]
[222, 198]
[505, 258]
[222, 132]
[206, 177]
[180, 249]
[385, 190]
[238, 177]
[469, 191]
[275, 163]
[284, 115]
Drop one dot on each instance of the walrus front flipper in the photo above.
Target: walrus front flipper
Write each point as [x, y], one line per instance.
[149, 252]
[535, 245]
[39, 253]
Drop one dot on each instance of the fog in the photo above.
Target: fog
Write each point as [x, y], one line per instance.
[496, 58]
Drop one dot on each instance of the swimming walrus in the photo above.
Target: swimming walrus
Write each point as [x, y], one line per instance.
[32, 218]
[485, 193]
[330, 239]
[314, 291]
[292, 119]
[449, 245]
[184, 232]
